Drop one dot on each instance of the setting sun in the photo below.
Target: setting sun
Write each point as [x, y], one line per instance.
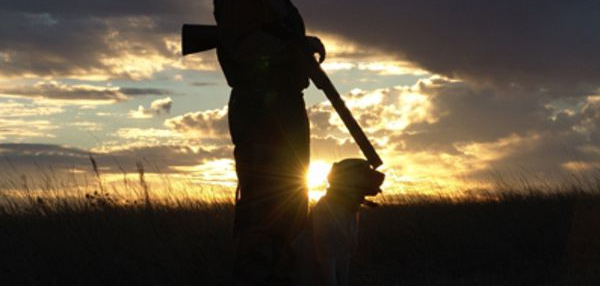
[316, 179]
[317, 174]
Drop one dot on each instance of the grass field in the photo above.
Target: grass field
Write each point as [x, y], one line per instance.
[532, 238]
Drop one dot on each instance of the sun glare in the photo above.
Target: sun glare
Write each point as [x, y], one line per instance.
[316, 179]
[317, 174]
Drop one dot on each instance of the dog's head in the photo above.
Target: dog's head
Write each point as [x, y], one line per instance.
[355, 177]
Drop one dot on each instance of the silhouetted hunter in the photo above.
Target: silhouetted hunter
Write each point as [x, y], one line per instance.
[268, 60]
[259, 46]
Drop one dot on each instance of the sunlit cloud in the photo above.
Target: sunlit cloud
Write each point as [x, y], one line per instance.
[331, 149]
[432, 136]
[442, 134]
[392, 68]
[214, 172]
[13, 108]
[344, 55]
[17, 130]
[579, 166]
[377, 67]
[146, 134]
[489, 152]
[384, 110]
[157, 107]
[590, 116]
[87, 125]
[412, 127]
[105, 114]
[422, 172]
[136, 66]
[210, 124]
[4, 57]
[593, 99]
[141, 113]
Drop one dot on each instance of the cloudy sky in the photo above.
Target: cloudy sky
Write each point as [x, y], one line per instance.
[450, 92]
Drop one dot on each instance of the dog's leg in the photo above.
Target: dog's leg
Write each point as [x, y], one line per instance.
[344, 261]
[328, 240]
[327, 266]
[343, 272]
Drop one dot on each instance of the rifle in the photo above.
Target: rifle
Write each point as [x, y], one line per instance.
[200, 38]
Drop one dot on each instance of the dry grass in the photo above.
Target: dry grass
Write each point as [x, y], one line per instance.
[57, 231]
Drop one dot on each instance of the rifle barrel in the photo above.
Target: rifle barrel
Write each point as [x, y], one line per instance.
[322, 81]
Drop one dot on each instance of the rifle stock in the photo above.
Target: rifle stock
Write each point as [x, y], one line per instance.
[200, 38]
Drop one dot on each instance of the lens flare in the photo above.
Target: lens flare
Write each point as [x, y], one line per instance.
[316, 179]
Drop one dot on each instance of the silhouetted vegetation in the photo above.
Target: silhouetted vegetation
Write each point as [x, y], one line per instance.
[519, 240]
[531, 238]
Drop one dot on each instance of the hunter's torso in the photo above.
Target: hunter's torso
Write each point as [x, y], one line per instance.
[259, 44]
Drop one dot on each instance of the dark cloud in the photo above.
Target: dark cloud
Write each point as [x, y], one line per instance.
[470, 115]
[29, 157]
[69, 38]
[550, 44]
[144, 91]
[181, 8]
[202, 83]
[530, 43]
[551, 158]
[62, 91]
[521, 130]
[70, 46]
